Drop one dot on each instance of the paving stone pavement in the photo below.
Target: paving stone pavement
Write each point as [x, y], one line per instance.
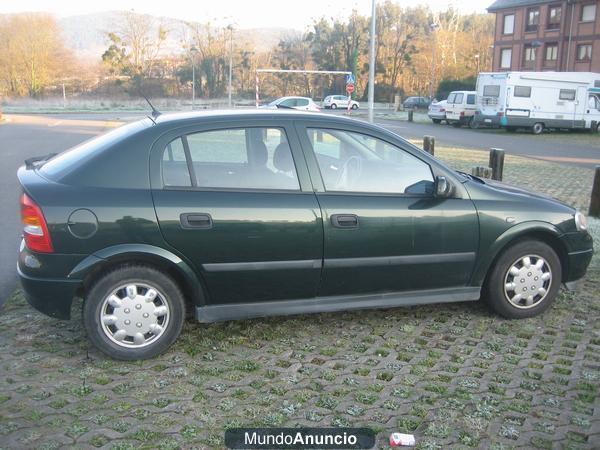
[456, 376]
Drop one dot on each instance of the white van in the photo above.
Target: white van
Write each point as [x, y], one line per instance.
[539, 100]
[461, 108]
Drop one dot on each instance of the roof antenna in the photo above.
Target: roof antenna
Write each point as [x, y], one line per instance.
[155, 112]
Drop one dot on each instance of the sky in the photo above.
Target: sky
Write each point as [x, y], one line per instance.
[243, 13]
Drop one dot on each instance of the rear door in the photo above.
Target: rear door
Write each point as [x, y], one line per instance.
[384, 230]
[236, 200]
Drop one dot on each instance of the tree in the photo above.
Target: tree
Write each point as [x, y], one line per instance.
[134, 46]
[32, 54]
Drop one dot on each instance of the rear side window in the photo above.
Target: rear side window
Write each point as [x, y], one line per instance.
[491, 90]
[301, 102]
[522, 91]
[470, 99]
[241, 158]
[567, 94]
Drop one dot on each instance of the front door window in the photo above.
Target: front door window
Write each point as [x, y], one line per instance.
[354, 162]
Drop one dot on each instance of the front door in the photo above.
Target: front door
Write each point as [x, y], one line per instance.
[236, 202]
[384, 229]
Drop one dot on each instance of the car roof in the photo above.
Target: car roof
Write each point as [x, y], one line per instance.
[463, 92]
[249, 113]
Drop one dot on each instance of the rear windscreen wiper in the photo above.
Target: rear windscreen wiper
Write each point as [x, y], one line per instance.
[31, 163]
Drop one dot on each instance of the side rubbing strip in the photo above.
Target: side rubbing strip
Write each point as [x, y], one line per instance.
[263, 265]
[398, 260]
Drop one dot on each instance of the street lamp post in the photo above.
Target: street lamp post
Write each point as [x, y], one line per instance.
[230, 28]
[193, 52]
[433, 27]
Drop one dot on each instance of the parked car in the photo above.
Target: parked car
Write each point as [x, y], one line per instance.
[299, 103]
[339, 101]
[245, 214]
[539, 100]
[416, 103]
[437, 111]
[461, 107]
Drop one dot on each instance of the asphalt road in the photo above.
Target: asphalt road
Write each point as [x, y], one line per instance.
[26, 136]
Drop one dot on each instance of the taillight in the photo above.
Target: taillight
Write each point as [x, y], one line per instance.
[35, 229]
[442, 110]
[500, 114]
[462, 114]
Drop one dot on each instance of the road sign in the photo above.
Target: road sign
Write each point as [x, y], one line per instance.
[350, 88]
[350, 79]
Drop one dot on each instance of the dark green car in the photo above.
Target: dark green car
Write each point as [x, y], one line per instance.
[250, 214]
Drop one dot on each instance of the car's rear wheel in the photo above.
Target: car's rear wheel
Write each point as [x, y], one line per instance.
[437, 121]
[354, 106]
[472, 124]
[134, 312]
[525, 280]
[333, 106]
[537, 128]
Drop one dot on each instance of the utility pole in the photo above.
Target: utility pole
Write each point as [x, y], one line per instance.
[193, 52]
[433, 27]
[230, 27]
[372, 60]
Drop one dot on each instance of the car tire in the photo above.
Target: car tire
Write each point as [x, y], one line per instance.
[333, 106]
[472, 124]
[354, 106]
[146, 328]
[537, 128]
[524, 281]
[436, 121]
[510, 129]
[456, 124]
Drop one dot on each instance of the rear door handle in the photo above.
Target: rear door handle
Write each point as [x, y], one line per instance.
[196, 220]
[344, 220]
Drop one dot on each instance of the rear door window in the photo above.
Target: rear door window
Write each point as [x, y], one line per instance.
[240, 158]
[301, 102]
[470, 99]
[451, 98]
[459, 98]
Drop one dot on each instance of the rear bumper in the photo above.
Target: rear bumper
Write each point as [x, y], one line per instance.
[50, 296]
[45, 281]
[489, 120]
[437, 116]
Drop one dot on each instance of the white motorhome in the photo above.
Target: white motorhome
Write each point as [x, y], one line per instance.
[538, 100]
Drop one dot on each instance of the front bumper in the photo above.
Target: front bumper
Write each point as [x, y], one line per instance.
[580, 251]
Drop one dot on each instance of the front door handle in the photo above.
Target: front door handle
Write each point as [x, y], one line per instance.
[195, 220]
[344, 220]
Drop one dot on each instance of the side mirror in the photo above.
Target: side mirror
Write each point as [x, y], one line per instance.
[443, 188]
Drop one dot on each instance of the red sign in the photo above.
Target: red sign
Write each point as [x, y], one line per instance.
[350, 88]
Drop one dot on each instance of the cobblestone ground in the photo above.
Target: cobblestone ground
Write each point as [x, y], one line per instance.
[454, 375]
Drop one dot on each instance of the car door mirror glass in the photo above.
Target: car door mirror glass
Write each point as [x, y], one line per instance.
[443, 188]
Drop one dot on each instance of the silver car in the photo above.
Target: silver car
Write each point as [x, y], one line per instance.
[339, 101]
[300, 103]
[437, 111]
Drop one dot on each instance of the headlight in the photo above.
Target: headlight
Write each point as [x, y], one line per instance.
[580, 221]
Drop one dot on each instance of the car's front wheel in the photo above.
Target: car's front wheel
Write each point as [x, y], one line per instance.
[133, 312]
[354, 106]
[333, 106]
[436, 121]
[524, 280]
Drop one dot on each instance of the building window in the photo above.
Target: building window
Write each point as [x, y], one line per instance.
[584, 52]
[567, 94]
[533, 19]
[509, 24]
[588, 13]
[554, 17]
[529, 54]
[505, 58]
[522, 91]
[551, 52]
